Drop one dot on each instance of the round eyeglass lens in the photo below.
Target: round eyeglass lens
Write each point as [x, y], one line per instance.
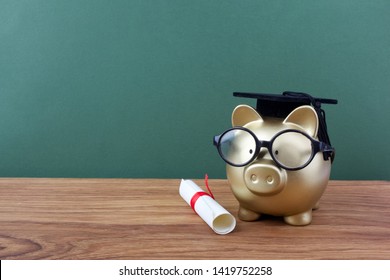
[237, 146]
[292, 149]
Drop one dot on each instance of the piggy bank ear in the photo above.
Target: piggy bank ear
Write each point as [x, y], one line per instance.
[244, 114]
[305, 117]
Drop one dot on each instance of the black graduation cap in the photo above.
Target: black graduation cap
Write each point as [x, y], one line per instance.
[280, 105]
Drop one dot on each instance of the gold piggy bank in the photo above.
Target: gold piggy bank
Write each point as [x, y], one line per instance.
[276, 166]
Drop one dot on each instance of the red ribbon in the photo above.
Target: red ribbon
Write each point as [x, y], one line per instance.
[196, 196]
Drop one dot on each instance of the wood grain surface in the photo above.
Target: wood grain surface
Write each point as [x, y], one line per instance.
[147, 219]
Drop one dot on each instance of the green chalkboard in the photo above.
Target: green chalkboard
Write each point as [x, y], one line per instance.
[138, 88]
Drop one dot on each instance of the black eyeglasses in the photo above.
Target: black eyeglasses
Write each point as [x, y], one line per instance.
[291, 149]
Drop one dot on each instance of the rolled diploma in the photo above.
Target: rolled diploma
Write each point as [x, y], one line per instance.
[217, 217]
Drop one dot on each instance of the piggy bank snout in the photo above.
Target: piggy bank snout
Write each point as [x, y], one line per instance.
[264, 179]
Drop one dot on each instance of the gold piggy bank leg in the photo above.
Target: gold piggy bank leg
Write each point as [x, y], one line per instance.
[317, 205]
[247, 215]
[300, 219]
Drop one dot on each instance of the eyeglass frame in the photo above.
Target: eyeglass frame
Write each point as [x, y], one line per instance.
[317, 146]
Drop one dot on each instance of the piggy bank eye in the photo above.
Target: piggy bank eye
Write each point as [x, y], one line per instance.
[237, 147]
[292, 149]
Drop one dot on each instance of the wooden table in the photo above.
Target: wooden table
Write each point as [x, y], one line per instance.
[147, 219]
